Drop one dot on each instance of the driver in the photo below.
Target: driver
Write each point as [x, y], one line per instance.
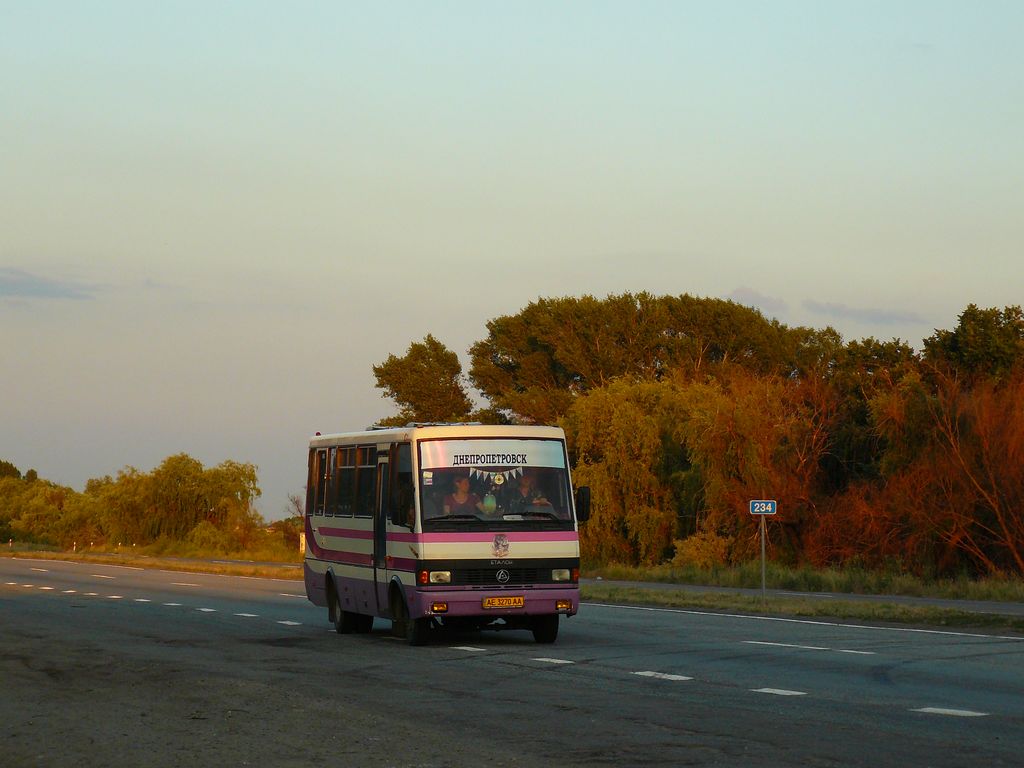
[525, 495]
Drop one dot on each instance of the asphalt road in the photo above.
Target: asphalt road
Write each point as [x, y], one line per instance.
[103, 665]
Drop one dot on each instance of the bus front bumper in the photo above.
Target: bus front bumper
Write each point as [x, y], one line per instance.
[534, 601]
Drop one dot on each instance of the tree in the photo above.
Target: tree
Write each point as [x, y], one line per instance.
[860, 372]
[985, 343]
[758, 437]
[426, 384]
[9, 470]
[620, 437]
[979, 450]
[534, 364]
[954, 470]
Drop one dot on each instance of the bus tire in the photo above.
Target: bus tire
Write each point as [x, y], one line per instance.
[344, 621]
[399, 615]
[363, 623]
[545, 628]
[416, 631]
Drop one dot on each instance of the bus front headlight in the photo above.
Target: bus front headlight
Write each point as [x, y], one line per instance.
[440, 577]
[560, 574]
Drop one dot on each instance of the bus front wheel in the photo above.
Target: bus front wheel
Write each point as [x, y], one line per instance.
[344, 622]
[545, 628]
[403, 625]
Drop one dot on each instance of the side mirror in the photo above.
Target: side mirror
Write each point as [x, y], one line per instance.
[582, 503]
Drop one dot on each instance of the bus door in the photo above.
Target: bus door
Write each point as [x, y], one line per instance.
[380, 531]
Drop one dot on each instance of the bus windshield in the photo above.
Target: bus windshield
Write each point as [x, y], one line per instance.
[485, 483]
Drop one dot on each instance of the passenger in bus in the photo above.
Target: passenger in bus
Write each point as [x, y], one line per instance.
[462, 501]
[524, 495]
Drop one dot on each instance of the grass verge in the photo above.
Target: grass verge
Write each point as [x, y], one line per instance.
[848, 580]
[262, 571]
[801, 608]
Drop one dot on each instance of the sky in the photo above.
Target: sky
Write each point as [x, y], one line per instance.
[216, 217]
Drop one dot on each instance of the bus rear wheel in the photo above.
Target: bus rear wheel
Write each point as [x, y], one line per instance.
[545, 628]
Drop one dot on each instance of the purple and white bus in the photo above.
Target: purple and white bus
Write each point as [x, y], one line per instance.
[443, 525]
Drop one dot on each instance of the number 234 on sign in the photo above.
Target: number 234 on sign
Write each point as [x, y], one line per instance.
[763, 506]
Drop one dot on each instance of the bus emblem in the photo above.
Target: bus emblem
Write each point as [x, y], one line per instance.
[503, 576]
[499, 548]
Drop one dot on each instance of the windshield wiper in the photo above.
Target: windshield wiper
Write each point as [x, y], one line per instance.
[541, 513]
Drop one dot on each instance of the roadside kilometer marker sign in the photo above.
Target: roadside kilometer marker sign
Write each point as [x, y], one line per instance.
[761, 508]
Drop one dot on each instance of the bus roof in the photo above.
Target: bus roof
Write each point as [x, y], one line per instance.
[427, 431]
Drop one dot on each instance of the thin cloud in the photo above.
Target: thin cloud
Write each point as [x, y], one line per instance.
[19, 284]
[751, 298]
[862, 314]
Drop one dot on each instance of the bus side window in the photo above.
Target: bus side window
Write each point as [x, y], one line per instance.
[366, 483]
[346, 483]
[321, 482]
[331, 505]
[403, 501]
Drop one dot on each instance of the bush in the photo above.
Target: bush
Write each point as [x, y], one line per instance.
[704, 550]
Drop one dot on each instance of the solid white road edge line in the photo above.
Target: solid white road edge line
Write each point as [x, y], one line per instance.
[803, 621]
[950, 712]
[788, 645]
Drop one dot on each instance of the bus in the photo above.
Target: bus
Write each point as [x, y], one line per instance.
[433, 526]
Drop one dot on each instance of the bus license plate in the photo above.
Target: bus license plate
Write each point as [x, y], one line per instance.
[504, 602]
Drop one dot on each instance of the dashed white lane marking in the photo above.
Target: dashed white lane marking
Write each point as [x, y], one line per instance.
[11, 583]
[101, 576]
[28, 586]
[289, 594]
[69, 592]
[89, 594]
[662, 676]
[114, 597]
[248, 615]
[808, 647]
[141, 600]
[950, 712]
[778, 692]
[41, 570]
[469, 648]
[183, 584]
[47, 589]
[291, 623]
[173, 605]
[207, 610]
[555, 661]
[787, 645]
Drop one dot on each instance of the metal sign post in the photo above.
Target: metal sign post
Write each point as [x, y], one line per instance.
[762, 508]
